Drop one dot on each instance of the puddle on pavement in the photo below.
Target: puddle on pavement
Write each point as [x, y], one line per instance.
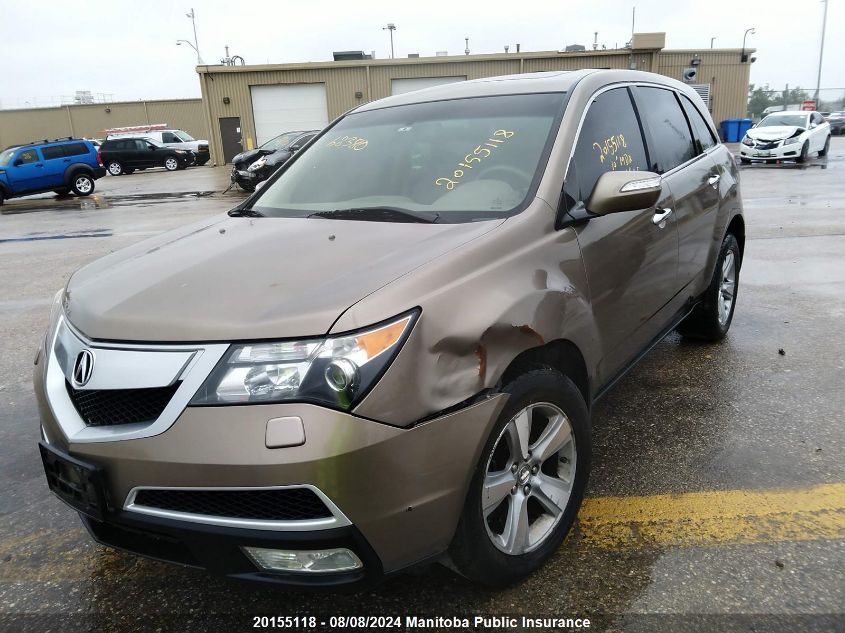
[100, 201]
[37, 237]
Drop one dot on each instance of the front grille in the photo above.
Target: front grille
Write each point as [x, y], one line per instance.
[106, 407]
[767, 145]
[280, 504]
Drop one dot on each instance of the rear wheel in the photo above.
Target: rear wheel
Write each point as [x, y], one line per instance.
[529, 482]
[805, 149]
[82, 184]
[823, 151]
[711, 318]
[171, 164]
[114, 168]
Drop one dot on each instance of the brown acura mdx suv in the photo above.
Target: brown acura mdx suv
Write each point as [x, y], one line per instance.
[388, 355]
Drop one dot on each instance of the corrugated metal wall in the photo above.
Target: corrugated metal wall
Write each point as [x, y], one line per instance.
[722, 69]
[371, 78]
[23, 126]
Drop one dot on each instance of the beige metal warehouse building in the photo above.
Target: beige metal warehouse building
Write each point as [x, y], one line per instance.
[91, 120]
[244, 106]
[247, 105]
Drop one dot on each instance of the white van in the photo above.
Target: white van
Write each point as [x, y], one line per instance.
[169, 137]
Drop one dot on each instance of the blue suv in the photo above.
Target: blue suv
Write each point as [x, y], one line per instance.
[62, 166]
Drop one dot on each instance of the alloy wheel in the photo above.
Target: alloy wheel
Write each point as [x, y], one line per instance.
[84, 184]
[115, 169]
[529, 478]
[171, 164]
[727, 287]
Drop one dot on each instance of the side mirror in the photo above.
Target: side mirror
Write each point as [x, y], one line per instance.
[18, 162]
[618, 191]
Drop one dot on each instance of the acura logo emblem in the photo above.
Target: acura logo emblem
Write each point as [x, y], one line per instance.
[83, 368]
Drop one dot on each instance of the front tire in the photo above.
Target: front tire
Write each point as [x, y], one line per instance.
[745, 161]
[114, 168]
[805, 150]
[82, 184]
[248, 187]
[711, 318]
[171, 163]
[529, 482]
[824, 150]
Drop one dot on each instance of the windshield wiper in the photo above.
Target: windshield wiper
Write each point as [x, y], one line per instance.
[244, 213]
[382, 214]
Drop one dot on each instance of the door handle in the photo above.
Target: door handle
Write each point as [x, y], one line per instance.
[713, 180]
[660, 216]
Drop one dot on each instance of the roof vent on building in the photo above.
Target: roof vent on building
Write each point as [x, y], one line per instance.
[344, 56]
[575, 48]
[413, 55]
[442, 53]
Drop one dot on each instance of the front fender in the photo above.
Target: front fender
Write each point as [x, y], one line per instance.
[518, 287]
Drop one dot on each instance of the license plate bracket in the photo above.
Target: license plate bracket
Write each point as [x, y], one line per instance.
[79, 484]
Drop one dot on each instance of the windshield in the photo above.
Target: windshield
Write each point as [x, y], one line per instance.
[6, 156]
[458, 160]
[283, 140]
[798, 120]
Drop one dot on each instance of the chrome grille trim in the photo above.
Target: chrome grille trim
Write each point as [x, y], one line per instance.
[338, 519]
[189, 363]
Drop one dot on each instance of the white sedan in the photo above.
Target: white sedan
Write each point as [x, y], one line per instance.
[786, 135]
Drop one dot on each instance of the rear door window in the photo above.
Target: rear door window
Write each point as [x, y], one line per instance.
[610, 140]
[703, 134]
[670, 134]
[53, 151]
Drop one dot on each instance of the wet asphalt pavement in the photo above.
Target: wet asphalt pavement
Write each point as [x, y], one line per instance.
[695, 426]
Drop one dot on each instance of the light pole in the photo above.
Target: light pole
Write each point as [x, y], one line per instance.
[196, 45]
[821, 54]
[743, 57]
[180, 42]
[390, 27]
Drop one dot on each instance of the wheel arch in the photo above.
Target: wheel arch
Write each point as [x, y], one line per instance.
[75, 169]
[560, 354]
[736, 227]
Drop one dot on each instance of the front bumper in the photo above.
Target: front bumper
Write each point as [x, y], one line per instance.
[770, 151]
[402, 490]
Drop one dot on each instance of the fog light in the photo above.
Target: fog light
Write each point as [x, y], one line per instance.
[304, 561]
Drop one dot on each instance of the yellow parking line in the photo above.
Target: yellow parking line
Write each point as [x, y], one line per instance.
[715, 518]
[682, 520]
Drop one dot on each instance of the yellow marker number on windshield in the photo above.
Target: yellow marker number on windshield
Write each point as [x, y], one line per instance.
[473, 159]
[355, 143]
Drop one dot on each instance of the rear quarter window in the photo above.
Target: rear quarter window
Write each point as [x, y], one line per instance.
[75, 149]
[610, 140]
[703, 133]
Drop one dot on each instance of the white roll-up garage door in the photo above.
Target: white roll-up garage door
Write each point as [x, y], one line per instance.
[283, 108]
[401, 86]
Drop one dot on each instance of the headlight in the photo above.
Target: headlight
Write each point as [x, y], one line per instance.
[336, 371]
[747, 140]
[55, 312]
[792, 141]
[258, 164]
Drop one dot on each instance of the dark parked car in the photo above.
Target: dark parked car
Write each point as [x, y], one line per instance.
[63, 165]
[253, 166]
[125, 155]
[837, 122]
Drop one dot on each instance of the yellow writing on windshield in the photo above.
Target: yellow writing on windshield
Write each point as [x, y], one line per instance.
[474, 158]
[355, 143]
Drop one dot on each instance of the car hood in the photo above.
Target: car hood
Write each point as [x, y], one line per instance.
[251, 278]
[249, 156]
[774, 132]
